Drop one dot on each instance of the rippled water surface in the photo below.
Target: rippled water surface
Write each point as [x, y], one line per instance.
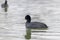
[12, 22]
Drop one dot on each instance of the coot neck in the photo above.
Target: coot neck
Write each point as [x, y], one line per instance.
[28, 21]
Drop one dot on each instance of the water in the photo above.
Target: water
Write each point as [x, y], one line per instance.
[12, 22]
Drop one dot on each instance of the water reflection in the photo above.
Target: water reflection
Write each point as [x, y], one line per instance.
[30, 31]
[28, 34]
[5, 9]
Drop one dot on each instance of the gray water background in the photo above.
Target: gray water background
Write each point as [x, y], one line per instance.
[12, 22]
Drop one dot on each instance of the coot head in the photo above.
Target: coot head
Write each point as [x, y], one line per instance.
[28, 18]
[5, 1]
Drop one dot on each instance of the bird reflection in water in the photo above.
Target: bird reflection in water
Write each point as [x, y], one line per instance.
[29, 31]
[28, 34]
